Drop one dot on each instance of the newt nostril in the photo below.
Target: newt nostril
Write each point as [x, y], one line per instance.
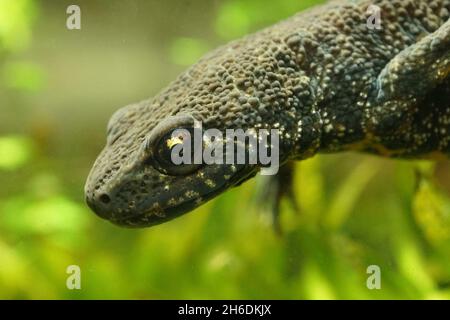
[100, 204]
[104, 198]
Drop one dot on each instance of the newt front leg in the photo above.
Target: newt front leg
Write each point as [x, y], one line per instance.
[409, 110]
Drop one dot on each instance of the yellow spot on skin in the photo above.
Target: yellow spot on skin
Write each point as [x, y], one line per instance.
[210, 183]
[158, 211]
[191, 194]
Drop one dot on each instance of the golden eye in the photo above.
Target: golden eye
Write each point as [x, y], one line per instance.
[173, 141]
[165, 147]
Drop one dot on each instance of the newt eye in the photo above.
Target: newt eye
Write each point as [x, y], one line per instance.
[174, 152]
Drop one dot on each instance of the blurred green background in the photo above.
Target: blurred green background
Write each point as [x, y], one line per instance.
[57, 90]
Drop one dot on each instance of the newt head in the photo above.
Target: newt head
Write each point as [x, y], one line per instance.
[137, 184]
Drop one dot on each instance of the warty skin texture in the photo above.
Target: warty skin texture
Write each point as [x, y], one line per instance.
[322, 77]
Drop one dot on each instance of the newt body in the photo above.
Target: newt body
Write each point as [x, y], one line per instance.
[322, 77]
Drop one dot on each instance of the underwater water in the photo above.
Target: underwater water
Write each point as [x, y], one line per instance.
[58, 88]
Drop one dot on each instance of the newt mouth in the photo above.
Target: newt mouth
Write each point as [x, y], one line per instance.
[155, 217]
[158, 215]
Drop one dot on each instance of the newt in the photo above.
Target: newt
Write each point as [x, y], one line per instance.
[323, 78]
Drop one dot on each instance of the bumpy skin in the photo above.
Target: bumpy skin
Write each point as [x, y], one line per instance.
[322, 77]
